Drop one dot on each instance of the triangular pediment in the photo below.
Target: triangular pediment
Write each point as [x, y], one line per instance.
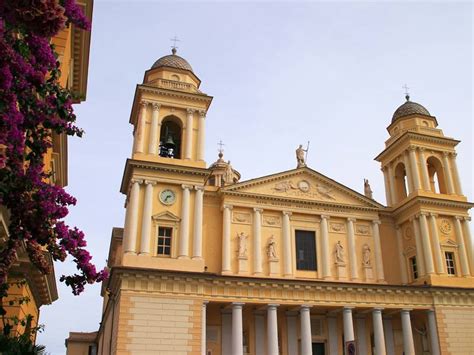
[449, 243]
[166, 216]
[302, 184]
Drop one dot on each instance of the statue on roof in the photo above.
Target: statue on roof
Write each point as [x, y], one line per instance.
[301, 156]
[367, 189]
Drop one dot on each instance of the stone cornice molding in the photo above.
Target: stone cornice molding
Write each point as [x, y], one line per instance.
[172, 93]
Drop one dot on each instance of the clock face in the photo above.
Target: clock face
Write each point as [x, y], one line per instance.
[167, 197]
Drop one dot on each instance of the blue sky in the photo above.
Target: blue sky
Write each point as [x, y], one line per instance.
[281, 73]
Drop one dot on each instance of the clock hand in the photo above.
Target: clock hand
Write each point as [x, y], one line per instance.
[167, 198]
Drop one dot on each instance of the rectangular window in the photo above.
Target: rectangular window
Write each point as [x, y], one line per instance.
[164, 240]
[305, 250]
[414, 268]
[450, 267]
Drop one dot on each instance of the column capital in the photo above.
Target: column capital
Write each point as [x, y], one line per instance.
[423, 213]
[287, 213]
[190, 111]
[273, 305]
[150, 182]
[139, 181]
[433, 215]
[422, 149]
[187, 187]
[351, 219]
[376, 221]
[237, 304]
[377, 310]
[198, 188]
[412, 148]
[347, 308]
[202, 113]
[258, 210]
[446, 154]
[468, 218]
[204, 303]
[156, 106]
[406, 310]
[305, 306]
[398, 227]
[144, 103]
[459, 218]
[227, 207]
[454, 154]
[324, 216]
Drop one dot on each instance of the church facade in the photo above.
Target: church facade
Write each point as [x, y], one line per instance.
[290, 263]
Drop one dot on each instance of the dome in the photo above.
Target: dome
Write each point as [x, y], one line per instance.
[409, 108]
[172, 61]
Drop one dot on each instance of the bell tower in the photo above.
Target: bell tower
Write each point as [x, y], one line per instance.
[164, 178]
[424, 192]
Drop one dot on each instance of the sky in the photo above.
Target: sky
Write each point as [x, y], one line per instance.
[282, 74]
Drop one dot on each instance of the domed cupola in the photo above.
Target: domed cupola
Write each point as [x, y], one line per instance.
[222, 173]
[409, 108]
[173, 61]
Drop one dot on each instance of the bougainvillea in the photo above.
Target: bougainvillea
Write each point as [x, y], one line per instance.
[33, 107]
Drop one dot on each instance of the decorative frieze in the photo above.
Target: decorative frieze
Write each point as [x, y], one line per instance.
[337, 227]
[362, 229]
[271, 221]
[241, 217]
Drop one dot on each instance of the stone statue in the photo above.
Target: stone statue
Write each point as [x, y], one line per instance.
[300, 156]
[366, 255]
[271, 248]
[367, 189]
[339, 252]
[242, 244]
[229, 174]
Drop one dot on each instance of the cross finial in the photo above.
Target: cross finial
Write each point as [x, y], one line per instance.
[407, 94]
[174, 47]
[221, 149]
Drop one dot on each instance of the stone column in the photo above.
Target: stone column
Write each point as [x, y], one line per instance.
[153, 143]
[408, 345]
[287, 262]
[140, 130]
[226, 219]
[306, 339]
[378, 252]
[391, 180]
[433, 331]
[457, 181]
[462, 247]
[146, 218]
[201, 135]
[438, 256]
[388, 194]
[425, 241]
[468, 239]
[414, 168]
[420, 258]
[257, 241]
[325, 254]
[406, 161]
[448, 175]
[197, 238]
[401, 258]
[379, 339]
[292, 338]
[131, 219]
[361, 335]
[424, 170]
[237, 329]
[259, 333]
[188, 145]
[348, 325]
[272, 329]
[203, 327]
[184, 226]
[352, 248]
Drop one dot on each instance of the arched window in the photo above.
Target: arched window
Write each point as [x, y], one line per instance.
[401, 182]
[170, 138]
[436, 175]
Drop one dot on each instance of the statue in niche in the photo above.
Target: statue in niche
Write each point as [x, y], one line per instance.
[242, 244]
[339, 252]
[271, 248]
[229, 174]
[424, 338]
[366, 255]
[300, 156]
[367, 189]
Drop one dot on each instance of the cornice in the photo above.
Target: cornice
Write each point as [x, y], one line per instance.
[175, 93]
[140, 164]
[446, 141]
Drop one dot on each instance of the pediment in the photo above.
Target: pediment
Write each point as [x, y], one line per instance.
[166, 216]
[302, 184]
[449, 243]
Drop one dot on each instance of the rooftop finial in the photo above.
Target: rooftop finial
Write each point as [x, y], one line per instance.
[407, 94]
[221, 149]
[174, 47]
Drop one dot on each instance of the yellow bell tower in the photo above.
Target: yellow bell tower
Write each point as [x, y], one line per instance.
[165, 177]
[424, 192]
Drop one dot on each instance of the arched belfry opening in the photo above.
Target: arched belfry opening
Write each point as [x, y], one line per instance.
[436, 175]
[170, 137]
[401, 182]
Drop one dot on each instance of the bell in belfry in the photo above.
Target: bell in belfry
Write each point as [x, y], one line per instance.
[170, 142]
